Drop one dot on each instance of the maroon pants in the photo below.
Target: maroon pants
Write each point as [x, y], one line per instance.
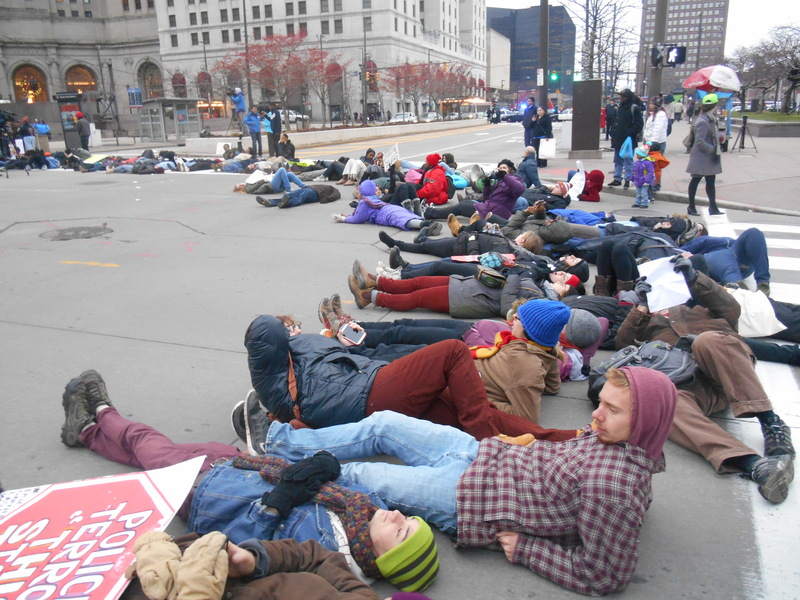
[440, 383]
[420, 292]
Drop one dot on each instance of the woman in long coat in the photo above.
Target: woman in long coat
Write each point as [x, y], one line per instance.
[704, 157]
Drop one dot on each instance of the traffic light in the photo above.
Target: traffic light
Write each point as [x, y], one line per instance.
[553, 75]
[657, 55]
[675, 55]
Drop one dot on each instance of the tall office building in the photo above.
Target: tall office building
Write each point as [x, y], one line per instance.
[522, 28]
[699, 25]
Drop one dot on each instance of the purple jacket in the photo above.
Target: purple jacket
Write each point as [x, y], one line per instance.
[372, 210]
[502, 198]
[643, 172]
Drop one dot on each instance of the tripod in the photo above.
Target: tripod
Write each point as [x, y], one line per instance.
[234, 120]
[739, 141]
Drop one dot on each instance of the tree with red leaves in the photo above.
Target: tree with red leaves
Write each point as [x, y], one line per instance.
[408, 82]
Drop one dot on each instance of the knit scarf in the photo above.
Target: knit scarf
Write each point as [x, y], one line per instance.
[354, 509]
[500, 340]
[565, 343]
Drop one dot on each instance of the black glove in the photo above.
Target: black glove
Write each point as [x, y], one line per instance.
[486, 181]
[642, 288]
[301, 481]
[684, 265]
[499, 175]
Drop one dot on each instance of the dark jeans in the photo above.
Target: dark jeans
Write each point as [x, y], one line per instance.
[302, 196]
[442, 267]
[442, 247]
[465, 208]
[616, 261]
[747, 256]
[414, 331]
[789, 315]
[255, 137]
[334, 171]
[788, 354]
[403, 191]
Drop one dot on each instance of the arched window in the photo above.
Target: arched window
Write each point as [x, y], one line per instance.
[150, 81]
[179, 85]
[30, 85]
[80, 79]
[204, 84]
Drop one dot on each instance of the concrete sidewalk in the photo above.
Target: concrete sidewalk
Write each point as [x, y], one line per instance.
[749, 177]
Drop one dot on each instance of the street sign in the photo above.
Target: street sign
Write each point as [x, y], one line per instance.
[540, 77]
[135, 97]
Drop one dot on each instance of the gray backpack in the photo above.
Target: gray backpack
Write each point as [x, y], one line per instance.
[676, 363]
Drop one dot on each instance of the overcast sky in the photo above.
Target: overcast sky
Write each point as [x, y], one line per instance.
[748, 21]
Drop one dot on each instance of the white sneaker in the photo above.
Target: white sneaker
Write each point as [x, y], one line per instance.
[388, 272]
[320, 178]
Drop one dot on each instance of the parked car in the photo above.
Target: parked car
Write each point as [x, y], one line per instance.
[431, 117]
[404, 118]
[453, 116]
[293, 116]
[565, 115]
[510, 116]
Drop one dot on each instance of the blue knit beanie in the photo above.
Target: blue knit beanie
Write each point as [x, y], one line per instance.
[368, 188]
[543, 320]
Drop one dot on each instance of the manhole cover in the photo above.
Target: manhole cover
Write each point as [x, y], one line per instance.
[76, 233]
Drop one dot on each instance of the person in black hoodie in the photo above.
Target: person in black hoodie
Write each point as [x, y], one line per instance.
[628, 123]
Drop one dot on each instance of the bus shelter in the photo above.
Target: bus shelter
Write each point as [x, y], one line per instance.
[166, 119]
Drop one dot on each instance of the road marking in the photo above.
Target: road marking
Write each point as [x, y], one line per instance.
[783, 263]
[783, 243]
[772, 228]
[784, 292]
[91, 264]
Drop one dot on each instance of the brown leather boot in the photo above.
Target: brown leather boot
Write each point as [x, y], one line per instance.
[361, 297]
[365, 280]
[453, 224]
[600, 287]
[625, 286]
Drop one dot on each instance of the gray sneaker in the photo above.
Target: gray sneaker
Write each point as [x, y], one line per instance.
[773, 474]
[96, 392]
[256, 424]
[237, 421]
[76, 413]
[777, 438]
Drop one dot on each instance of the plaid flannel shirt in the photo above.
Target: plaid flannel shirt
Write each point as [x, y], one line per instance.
[577, 506]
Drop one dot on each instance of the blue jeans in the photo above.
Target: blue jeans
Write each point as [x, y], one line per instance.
[642, 195]
[621, 164]
[435, 457]
[414, 331]
[304, 195]
[255, 137]
[282, 180]
[746, 256]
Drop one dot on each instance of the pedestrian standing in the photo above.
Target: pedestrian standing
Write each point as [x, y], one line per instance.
[42, 130]
[628, 124]
[542, 129]
[84, 129]
[677, 110]
[274, 117]
[656, 125]
[27, 134]
[254, 127]
[527, 121]
[705, 156]
[611, 113]
[643, 178]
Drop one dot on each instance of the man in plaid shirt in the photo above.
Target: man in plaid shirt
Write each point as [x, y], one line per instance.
[570, 511]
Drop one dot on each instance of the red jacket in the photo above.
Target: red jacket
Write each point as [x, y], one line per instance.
[434, 186]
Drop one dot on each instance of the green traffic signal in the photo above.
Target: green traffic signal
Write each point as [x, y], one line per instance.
[553, 76]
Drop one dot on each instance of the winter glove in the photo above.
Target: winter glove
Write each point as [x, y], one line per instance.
[491, 259]
[339, 218]
[486, 181]
[642, 288]
[684, 265]
[204, 569]
[301, 481]
[157, 562]
[499, 175]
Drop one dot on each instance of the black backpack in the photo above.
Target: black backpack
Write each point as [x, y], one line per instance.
[676, 363]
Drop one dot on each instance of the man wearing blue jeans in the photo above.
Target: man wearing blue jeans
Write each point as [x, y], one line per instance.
[628, 124]
[281, 181]
[554, 507]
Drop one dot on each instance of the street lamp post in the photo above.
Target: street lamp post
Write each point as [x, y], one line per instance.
[247, 55]
[205, 67]
[699, 36]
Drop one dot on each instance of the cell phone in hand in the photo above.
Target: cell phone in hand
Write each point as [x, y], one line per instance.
[352, 335]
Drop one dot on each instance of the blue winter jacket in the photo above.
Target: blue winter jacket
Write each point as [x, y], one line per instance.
[229, 500]
[529, 171]
[252, 122]
[238, 101]
[332, 384]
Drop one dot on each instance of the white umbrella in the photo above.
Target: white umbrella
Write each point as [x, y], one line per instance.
[716, 78]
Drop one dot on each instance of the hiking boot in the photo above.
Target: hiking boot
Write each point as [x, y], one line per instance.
[361, 297]
[322, 312]
[777, 438]
[421, 236]
[336, 315]
[395, 260]
[264, 202]
[256, 424]
[454, 224]
[386, 239]
[474, 218]
[76, 413]
[365, 280]
[96, 392]
[773, 474]
[615, 183]
[237, 421]
[600, 286]
[434, 228]
[285, 201]
[625, 286]
[763, 287]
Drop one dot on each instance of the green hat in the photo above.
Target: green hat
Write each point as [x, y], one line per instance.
[413, 565]
[710, 99]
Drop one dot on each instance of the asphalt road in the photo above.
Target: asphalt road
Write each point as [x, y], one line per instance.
[159, 304]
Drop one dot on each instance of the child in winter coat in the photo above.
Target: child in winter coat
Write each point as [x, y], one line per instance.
[659, 162]
[643, 178]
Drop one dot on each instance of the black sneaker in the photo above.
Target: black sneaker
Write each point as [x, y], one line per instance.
[615, 183]
[386, 239]
[284, 203]
[76, 413]
[96, 392]
[256, 424]
[773, 474]
[395, 260]
[237, 421]
[264, 202]
[627, 184]
[777, 438]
